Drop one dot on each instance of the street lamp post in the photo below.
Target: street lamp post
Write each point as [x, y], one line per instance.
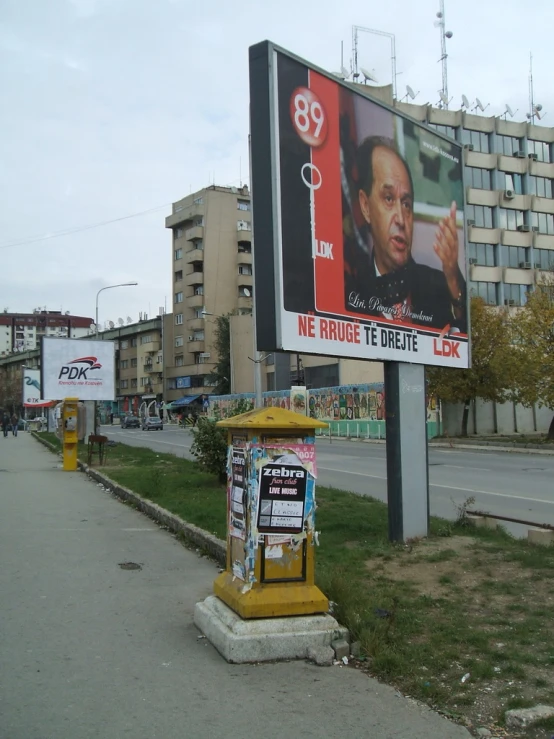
[108, 287]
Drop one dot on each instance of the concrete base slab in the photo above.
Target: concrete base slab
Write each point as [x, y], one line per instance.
[263, 639]
[542, 537]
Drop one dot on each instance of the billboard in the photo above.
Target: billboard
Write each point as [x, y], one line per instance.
[77, 368]
[31, 387]
[358, 222]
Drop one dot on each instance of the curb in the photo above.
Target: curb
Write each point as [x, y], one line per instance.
[207, 542]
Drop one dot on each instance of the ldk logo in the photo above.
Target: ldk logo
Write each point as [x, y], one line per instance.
[79, 373]
[445, 347]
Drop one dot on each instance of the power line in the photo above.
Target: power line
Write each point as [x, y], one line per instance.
[78, 229]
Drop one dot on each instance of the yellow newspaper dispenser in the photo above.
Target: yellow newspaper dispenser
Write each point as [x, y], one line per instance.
[69, 419]
[271, 473]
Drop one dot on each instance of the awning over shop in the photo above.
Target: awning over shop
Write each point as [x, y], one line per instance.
[40, 404]
[186, 400]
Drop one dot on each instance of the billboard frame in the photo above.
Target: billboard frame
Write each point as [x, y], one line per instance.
[76, 388]
[267, 212]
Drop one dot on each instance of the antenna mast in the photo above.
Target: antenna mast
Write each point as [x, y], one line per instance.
[531, 91]
[441, 24]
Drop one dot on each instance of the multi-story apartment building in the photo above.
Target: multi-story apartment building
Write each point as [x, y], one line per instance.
[21, 332]
[211, 268]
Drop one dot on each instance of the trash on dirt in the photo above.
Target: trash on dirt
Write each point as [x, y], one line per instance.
[465, 677]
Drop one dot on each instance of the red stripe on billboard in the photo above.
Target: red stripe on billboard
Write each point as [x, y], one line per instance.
[328, 259]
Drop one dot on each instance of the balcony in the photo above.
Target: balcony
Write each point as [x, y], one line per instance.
[244, 232]
[196, 346]
[246, 280]
[153, 346]
[243, 303]
[244, 257]
[185, 213]
[195, 301]
[194, 255]
[196, 233]
[194, 278]
[195, 323]
[149, 367]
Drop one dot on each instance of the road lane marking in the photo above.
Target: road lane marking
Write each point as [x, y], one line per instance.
[447, 487]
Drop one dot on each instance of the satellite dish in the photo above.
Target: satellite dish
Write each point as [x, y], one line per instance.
[344, 73]
[479, 104]
[120, 321]
[129, 319]
[465, 102]
[538, 107]
[339, 75]
[443, 97]
[449, 34]
[369, 76]
[246, 292]
[410, 92]
[92, 327]
[111, 324]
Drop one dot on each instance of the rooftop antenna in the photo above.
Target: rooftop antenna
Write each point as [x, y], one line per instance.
[410, 94]
[391, 36]
[479, 105]
[440, 23]
[535, 109]
[509, 112]
[465, 103]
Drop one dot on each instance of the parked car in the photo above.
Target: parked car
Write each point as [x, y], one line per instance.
[152, 422]
[130, 422]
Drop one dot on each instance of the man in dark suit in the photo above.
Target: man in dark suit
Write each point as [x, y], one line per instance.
[391, 284]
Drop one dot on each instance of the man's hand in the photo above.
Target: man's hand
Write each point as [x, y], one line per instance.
[446, 247]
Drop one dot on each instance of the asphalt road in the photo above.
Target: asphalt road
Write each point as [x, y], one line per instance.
[89, 650]
[506, 483]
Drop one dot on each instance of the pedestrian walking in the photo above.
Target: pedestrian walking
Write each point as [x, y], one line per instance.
[5, 424]
[15, 424]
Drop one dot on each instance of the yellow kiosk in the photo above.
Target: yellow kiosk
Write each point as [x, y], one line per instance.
[271, 515]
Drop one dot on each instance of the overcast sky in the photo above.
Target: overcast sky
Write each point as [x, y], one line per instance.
[113, 107]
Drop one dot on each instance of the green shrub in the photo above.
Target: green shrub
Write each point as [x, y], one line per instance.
[210, 448]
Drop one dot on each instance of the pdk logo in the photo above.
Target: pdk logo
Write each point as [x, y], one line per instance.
[71, 372]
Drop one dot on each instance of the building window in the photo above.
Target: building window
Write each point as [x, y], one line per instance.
[514, 182]
[243, 204]
[179, 275]
[124, 344]
[515, 294]
[179, 360]
[199, 312]
[539, 149]
[146, 339]
[245, 269]
[124, 384]
[134, 382]
[481, 254]
[178, 319]
[134, 341]
[201, 357]
[478, 178]
[515, 257]
[509, 219]
[197, 244]
[178, 254]
[508, 145]
[179, 297]
[179, 341]
[245, 247]
[244, 226]
[145, 381]
[171, 384]
[486, 290]
[542, 222]
[198, 335]
[445, 130]
[543, 259]
[134, 362]
[198, 201]
[179, 232]
[481, 215]
[477, 139]
[540, 186]
[197, 381]
[124, 364]
[199, 289]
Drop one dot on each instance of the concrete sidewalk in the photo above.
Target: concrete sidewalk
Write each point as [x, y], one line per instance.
[88, 649]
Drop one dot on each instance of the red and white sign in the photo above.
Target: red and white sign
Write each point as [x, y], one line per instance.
[75, 368]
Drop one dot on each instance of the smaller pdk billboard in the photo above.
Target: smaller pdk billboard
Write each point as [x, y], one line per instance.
[75, 368]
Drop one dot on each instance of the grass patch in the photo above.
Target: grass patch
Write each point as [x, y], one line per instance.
[426, 613]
